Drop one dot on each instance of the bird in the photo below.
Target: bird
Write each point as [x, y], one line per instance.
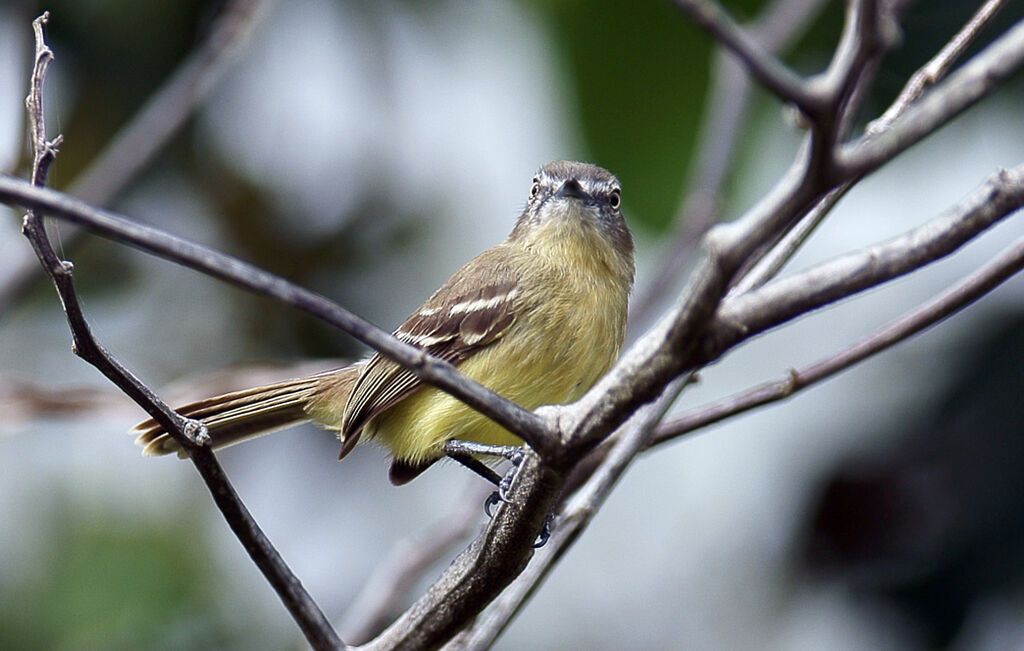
[538, 319]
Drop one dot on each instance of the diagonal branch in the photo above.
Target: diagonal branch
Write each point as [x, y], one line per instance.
[937, 67]
[966, 86]
[526, 424]
[943, 306]
[151, 128]
[764, 67]
[304, 610]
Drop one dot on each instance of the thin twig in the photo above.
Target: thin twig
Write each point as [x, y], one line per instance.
[303, 609]
[937, 67]
[771, 263]
[764, 67]
[530, 427]
[151, 128]
[723, 121]
[786, 298]
[981, 282]
[961, 90]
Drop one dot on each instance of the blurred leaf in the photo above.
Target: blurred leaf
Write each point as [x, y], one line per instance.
[638, 71]
[102, 582]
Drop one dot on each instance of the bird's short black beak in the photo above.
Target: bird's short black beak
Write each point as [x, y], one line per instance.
[573, 190]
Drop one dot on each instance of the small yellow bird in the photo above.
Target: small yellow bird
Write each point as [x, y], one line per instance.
[538, 319]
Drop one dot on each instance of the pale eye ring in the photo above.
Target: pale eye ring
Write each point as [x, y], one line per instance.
[535, 189]
[615, 199]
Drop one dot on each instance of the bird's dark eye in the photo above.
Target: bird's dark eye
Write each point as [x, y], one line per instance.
[615, 199]
[535, 189]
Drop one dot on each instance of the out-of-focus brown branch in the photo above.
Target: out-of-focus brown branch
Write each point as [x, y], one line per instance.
[24, 400]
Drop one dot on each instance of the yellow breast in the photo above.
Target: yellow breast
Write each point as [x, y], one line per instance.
[568, 331]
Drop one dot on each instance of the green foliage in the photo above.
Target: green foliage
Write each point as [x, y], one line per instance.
[638, 73]
[100, 581]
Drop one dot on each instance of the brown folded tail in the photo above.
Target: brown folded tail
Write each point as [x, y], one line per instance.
[235, 417]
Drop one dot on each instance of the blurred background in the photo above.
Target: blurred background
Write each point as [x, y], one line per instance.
[366, 150]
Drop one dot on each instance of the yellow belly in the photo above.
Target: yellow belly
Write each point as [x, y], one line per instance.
[574, 354]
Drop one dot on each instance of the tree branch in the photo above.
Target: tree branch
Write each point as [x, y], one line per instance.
[303, 609]
[974, 80]
[761, 64]
[163, 115]
[723, 120]
[937, 67]
[981, 282]
[744, 316]
[433, 371]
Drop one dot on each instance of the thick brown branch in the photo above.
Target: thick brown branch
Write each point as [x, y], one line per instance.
[782, 300]
[957, 298]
